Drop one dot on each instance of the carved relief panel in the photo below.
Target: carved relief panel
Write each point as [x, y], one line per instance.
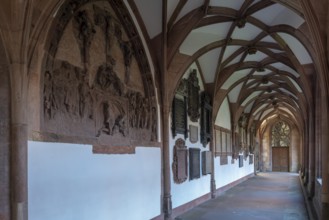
[179, 165]
[97, 83]
[206, 114]
[193, 96]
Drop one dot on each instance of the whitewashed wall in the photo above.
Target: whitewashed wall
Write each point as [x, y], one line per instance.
[223, 118]
[228, 173]
[68, 182]
[190, 189]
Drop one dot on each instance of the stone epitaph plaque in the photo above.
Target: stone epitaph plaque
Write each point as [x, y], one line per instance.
[179, 117]
[251, 159]
[223, 159]
[194, 154]
[240, 160]
[194, 134]
[193, 96]
[179, 165]
[206, 162]
[206, 113]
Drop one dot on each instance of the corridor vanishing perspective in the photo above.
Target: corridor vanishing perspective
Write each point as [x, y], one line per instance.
[266, 196]
[146, 109]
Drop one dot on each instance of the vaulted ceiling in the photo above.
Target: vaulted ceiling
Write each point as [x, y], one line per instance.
[255, 53]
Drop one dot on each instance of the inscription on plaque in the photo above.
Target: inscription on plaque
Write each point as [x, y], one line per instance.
[179, 117]
[206, 162]
[194, 134]
[179, 165]
[194, 154]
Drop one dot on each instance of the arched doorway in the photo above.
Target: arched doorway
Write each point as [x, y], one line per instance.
[280, 142]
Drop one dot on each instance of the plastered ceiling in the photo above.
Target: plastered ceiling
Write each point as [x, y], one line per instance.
[252, 52]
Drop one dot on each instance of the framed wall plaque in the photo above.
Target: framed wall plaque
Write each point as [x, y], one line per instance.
[206, 162]
[206, 117]
[194, 159]
[179, 117]
[251, 159]
[194, 135]
[240, 160]
[179, 165]
[223, 159]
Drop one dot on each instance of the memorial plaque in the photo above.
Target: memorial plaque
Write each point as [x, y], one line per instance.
[218, 142]
[194, 160]
[224, 150]
[229, 143]
[206, 113]
[194, 134]
[240, 160]
[206, 162]
[223, 159]
[179, 117]
[251, 159]
[179, 165]
[193, 96]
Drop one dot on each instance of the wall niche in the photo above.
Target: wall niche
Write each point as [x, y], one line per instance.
[97, 83]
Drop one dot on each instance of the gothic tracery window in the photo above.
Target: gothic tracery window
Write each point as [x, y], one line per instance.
[280, 134]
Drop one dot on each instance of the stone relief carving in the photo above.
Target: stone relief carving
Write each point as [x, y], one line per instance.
[193, 96]
[84, 32]
[206, 114]
[183, 88]
[96, 100]
[108, 81]
[107, 23]
[179, 165]
[114, 118]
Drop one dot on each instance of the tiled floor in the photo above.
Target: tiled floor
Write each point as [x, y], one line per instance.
[266, 196]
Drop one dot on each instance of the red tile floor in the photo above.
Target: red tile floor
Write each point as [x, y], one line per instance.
[265, 196]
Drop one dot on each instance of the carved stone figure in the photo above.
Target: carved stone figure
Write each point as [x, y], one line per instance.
[85, 99]
[114, 118]
[154, 131]
[83, 32]
[71, 100]
[108, 80]
[106, 22]
[50, 105]
[127, 51]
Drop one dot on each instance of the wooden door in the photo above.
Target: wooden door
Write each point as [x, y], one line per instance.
[280, 159]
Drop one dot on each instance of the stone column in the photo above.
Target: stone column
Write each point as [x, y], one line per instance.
[18, 142]
[167, 204]
[212, 178]
[325, 157]
[311, 156]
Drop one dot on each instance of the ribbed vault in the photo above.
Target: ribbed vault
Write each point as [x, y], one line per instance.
[252, 52]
